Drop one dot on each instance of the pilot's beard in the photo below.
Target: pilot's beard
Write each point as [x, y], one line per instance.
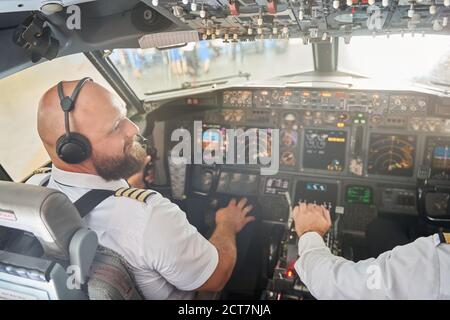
[123, 166]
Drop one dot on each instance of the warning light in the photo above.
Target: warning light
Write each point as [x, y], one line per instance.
[340, 124]
[192, 101]
[289, 273]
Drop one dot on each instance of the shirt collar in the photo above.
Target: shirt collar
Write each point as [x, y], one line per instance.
[85, 180]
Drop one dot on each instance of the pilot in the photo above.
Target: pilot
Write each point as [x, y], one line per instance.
[418, 270]
[169, 258]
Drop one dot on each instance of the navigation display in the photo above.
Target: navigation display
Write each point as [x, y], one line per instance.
[324, 149]
[359, 195]
[391, 154]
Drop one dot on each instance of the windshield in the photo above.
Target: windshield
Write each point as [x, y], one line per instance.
[417, 58]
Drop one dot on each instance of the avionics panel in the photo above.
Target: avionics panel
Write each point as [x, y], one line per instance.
[276, 186]
[324, 149]
[391, 154]
[273, 199]
[238, 183]
[358, 194]
[437, 157]
[238, 98]
[321, 193]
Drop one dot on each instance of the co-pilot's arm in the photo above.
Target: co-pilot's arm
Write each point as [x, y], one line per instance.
[406, 272]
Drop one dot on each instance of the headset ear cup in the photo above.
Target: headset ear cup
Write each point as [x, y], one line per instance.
[74, 148]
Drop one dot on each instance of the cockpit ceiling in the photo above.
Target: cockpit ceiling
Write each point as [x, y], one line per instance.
[110, 24]
[314, 20]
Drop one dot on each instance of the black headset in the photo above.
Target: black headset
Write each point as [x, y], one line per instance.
[72, 147]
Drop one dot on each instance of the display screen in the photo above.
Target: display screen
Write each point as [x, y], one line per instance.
[437, 156]
[359, 195]
[321, 193]
[276, 186]
[441, 157]
[391, 154]
[213, 142]
[324, 149]
[238, 183]
[258, 144]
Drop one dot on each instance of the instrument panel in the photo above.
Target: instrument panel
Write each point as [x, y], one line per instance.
[336, 147]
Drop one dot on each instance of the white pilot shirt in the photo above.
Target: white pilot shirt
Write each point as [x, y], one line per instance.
[419, 270]
[169, 257]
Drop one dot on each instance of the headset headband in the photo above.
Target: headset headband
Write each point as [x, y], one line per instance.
[68, 103]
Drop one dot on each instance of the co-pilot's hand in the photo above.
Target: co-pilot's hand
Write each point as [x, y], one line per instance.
[137, 180]
[311, 217]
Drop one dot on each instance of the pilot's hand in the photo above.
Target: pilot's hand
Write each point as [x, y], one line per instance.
[138, 180]
[234, 216]
[311, 217]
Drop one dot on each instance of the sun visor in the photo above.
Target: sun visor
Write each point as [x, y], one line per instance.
[168, 39]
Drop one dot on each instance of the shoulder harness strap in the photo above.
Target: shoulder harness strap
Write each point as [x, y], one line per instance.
[134, 193]
[90, 200]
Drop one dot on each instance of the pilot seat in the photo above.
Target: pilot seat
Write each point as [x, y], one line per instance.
[46, 253]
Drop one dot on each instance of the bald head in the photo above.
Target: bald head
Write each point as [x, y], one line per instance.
[97, 113]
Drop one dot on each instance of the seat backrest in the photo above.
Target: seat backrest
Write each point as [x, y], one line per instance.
[69, 248]
[111, 277]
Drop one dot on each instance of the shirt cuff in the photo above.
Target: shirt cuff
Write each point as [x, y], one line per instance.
[310, 241]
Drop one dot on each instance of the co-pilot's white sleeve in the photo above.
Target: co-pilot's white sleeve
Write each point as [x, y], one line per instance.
[419, 270]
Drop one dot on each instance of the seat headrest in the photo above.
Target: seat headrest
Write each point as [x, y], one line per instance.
[45, 212]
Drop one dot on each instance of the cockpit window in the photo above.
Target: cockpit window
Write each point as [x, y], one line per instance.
[21, 148]
[424, 59]
[150, 71]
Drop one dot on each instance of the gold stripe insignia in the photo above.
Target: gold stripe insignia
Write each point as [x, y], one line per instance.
[134, 193]
[42, 170]
[446, 237]
[120, 191]
[142, 197]
[128, 192]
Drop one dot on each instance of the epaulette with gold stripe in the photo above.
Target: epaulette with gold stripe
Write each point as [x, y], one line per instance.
[42, 170]
[134, 193]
